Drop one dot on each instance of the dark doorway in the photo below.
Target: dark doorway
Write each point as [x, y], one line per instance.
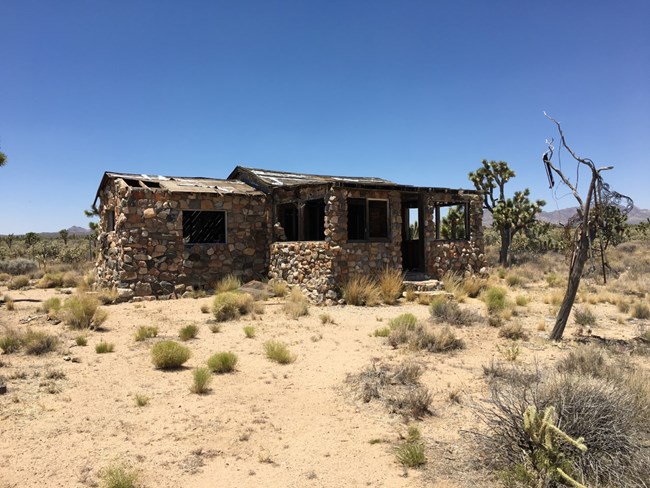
[412, 234]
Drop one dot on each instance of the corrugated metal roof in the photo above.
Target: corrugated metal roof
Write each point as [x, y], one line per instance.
[282, 178]
[189, 184]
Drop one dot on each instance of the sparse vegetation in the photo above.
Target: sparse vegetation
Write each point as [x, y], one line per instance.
[169, 355]
[297, 305]
[410, 453]
[11, 340]
[119, 475]
[146, 332]
[229, 305]
[495, 299]
[249, 331]
[226, 284]
[326, 318]
[141, 400]
[81, 340]
[426, 337]
[443, 310]
[104, 347]
[82, 311]
[360, 290]
[222, 362]
[9, 303]
[584, 316]
[205, 308]
[188, 332]
[641, 311]
[18, 282]
[278, 352]
[39, 342]
[52, 304]
[512, 331]
[201, 378]
[390, 285]
[279, 288]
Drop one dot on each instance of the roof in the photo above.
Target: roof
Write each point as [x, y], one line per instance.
[182, 184]
[270, 179]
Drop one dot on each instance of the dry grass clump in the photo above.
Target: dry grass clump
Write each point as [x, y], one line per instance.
[410, 453]
[641, 310]
[146, 332]
[107, 296]
[82, 311]
[390, 285]
[522, 300]
[11, 340]
[361, 291]
[398, 387]
[278, 352]
[453, 283]
[443, 310]
[584, 316]
[326, 318]
[586, 361]
[104, 347]
[222, 362]
[50, 280]
[188, 332]
[495, 299]
[513, 332]
[249, 331]
[169, 355]
[81, 340]
[52, 304]
[39, 342]
[18, 282]
[278, 288]
[201, 378]
[426, 337]
[514, 280]
[227, 283]
[554, 280]
[119, 475]
[9, 303]
[297, 305]
[604, 411]
[407, 320]
[231, 305]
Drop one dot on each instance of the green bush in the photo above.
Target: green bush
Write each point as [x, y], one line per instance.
[278, 352]
[495, 299]
[119, 476]
[51, 305]
[18, 266]
[249, 331]
[81, 340]
[104, 347]
[222, 362]
[188, 332]
[407, 320]
[201, 378]
[169, 355]
[82, 311]
[230, 305]
[146, 332]
[411, 454]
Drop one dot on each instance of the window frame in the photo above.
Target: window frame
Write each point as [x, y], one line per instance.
[188, 242]
[366, 230]
[438, 221]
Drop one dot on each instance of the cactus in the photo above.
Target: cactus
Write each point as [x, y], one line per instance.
[541, 428]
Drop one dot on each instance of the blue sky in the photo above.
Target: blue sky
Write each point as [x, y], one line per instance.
[418, 92]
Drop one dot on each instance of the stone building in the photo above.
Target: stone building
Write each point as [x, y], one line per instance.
[161, 236]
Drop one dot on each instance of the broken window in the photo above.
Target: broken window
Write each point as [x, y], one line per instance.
[367, 219]
[288, 218]
[305, 224]
[204, 227]
[452, 223]
[110, 220]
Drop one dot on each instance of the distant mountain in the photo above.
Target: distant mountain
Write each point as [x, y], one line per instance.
[75, 230]
[561, 216]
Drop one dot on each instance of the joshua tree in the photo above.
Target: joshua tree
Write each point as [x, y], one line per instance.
[3, 158]
[64, 235]
[511, 215]
[592, 218]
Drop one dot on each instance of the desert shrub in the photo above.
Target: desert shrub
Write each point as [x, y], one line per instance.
[169, 355]
[71, 279]
[473, 285]
[214, 328]
[11, 340]
[410, 295]
[227, 283]
[586, 361]
[104, 347]
[107, 296]
[495, 299]
[512, 331]
[9, 303]
[249, 331]
[198, 293]
[205, 308]
[141, 399]
[201, 378]
[444, 310]
[411, 454]
[81, 340]
[522, 300]
[278, 352]
[52, 304]
[390, 285]
[18, 266]
[407, 320]
[119, 475]
[326, 318]
[623, 305]
[397, 387]
[82, 311]
[18, 282]
[230, 305]
[601, 412]
[382, 332]
[188, 332]
[146, 332]
[436, 340]
[584, 316]
[510, 352]
[554, 280]
[278, 288]
[360, 290]
[39, 342]
[222, 362]
[297, 305]
[513, 280]
[4, 277]
[641, 311]
[50, 280]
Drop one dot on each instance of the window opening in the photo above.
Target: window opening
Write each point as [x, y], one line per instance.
[314, 220]
[288, 218]
[452, 222]
[367, 219]
[204, 227]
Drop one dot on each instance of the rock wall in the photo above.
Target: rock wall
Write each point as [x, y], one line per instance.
[145, 252]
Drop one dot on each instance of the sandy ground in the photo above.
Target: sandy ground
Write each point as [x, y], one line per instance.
[296, 425]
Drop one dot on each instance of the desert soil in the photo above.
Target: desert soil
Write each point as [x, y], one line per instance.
[296, 425]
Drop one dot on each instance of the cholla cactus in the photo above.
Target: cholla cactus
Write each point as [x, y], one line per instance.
[547, 456]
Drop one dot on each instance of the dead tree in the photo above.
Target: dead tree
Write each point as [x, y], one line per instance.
[590, 219]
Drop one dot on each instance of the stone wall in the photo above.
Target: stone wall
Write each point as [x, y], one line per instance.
[146, 254]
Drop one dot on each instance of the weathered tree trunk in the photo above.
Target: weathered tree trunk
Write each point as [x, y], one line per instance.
[575, 274]
[506, 238]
